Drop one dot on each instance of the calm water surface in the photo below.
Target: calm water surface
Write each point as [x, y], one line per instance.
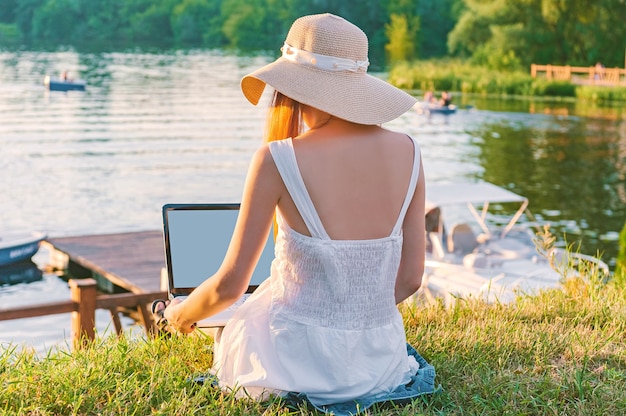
[173, 127]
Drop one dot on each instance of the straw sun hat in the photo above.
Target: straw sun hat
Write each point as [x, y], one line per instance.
[324, 65]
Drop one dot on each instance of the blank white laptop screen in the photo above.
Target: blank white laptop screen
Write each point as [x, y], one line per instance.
[196, 239]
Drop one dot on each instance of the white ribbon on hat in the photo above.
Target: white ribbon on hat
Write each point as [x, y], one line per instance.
[325, 62]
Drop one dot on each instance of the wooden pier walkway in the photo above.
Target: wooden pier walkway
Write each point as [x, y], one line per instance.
[119, 262]
[111, 263]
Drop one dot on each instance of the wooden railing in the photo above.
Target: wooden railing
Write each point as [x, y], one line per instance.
[83, 304]
[592, 75]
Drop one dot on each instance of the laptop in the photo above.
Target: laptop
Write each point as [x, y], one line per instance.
[196, 238]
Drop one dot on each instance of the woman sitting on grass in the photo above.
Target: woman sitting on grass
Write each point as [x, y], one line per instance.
[348, 197]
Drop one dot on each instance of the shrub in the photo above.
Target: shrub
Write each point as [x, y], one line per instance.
[455, 75]
[560, 89]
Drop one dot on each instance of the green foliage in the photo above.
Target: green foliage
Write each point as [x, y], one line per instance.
[601, 94]
[496, 34]
[437, 18]
[559, 89]
[457, 75]
[54, 22]
[454, 75]
[620, 267]
[148, 21]
[574, 32]
[401, 46]
[7, 11]
[24, 12]
[9, 34]
[243, 23]
[193, 23]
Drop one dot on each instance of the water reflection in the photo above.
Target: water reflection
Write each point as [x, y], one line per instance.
[22, 272]
[572, 170]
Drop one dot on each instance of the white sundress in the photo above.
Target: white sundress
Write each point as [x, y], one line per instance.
[324, 327]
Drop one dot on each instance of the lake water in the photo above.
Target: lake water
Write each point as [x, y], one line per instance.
[155, 128]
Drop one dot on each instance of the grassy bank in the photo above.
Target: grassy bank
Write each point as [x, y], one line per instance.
[451, 75]
[562, 352]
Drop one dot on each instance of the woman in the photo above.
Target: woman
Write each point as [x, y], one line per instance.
[348, 198]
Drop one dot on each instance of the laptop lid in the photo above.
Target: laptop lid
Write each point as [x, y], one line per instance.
[196, 238]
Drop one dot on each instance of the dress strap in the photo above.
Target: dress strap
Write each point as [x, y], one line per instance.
[411, 191]
[287, 165]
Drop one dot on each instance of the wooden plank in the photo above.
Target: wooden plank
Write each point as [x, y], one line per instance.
[127, 300]
[131, 260]
[38, 310]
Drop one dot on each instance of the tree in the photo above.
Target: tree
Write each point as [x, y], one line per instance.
[401, 46]
[147, 21]
[243, 24]
[7, 11]
[436, 20]
[24, 13]
[192, 19]
[54, 22]
[575, 32]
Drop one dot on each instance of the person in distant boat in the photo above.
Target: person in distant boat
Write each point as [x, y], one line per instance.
[429, 97]
[446, 99]
[348, 196]
[65, 76]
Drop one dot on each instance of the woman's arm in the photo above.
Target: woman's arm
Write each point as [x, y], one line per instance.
[411, 268]
[261, 193]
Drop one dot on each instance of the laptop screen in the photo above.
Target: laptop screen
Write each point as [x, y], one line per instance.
[196, 239]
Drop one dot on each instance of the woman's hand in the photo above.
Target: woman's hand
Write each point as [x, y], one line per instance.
[167, 315]
[172, 314]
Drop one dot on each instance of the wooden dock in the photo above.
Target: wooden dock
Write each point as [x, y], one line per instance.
[581, 75]
[120, 262]
[111, 263]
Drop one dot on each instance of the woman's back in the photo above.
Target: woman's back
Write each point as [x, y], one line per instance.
[357, 177]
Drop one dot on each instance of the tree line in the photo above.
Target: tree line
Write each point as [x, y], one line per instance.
[499, 34]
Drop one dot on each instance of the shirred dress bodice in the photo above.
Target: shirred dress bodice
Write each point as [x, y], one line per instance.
[335, 284]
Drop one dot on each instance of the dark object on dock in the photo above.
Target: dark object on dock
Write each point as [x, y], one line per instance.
[57, 84]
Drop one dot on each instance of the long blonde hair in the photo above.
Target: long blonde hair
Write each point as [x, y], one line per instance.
[284, 118]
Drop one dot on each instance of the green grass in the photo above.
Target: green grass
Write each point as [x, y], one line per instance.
[561, 352]
[456, 75]
[557, 352]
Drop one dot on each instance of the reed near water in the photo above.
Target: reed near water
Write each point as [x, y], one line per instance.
[455, 75]
[556, 352]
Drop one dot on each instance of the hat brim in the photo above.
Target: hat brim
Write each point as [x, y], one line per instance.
[352, 96]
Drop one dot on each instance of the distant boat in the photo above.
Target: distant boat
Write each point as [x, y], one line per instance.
[58, 84]
[20, 272]
[19, 247]
[432, 108]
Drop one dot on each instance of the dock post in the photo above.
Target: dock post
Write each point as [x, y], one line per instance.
[83, 293]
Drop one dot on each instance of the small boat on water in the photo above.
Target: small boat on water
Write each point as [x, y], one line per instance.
[473, 252]
[59, 84]
[19, 247]
[433, 108]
